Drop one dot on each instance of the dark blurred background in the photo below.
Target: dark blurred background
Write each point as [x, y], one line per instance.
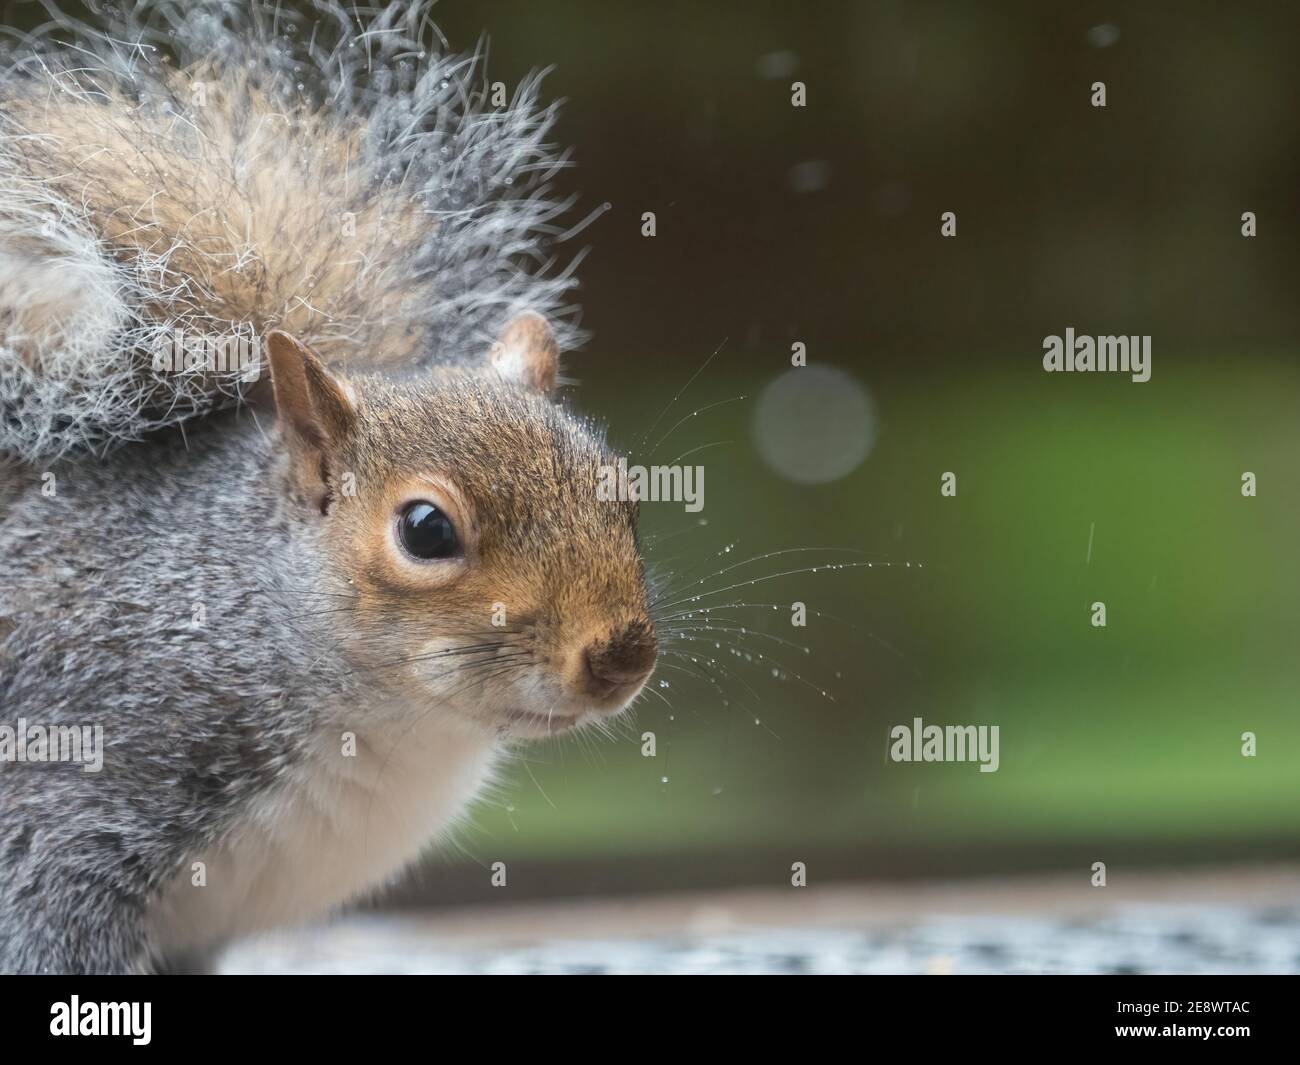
[821, 225]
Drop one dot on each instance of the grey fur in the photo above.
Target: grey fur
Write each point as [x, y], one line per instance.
[198, 720]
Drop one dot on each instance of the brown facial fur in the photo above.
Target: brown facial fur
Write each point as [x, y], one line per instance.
[518, 476]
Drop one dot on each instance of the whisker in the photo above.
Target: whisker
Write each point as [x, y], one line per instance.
[695, 413]
[727, 699]
[762, 558]
[707, 625]
[789, 573]
[680, 392]
[540, 790]
[703, 664]
[696, 450]
[655, 539]
[677, 584]
[778, 667]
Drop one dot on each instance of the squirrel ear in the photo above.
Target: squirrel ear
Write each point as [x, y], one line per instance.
[526, 353]
[315, 410]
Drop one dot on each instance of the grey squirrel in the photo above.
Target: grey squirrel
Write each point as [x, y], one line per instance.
[308, 611]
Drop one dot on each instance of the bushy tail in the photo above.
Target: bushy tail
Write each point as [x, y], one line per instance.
[212, 170]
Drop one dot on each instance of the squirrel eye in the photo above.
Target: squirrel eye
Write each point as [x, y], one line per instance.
[426, 532]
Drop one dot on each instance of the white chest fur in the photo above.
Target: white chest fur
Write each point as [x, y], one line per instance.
[344, 825]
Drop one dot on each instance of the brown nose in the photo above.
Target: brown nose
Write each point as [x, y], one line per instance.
[620, 662]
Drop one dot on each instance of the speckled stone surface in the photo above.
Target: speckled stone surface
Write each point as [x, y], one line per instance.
[1210, 926]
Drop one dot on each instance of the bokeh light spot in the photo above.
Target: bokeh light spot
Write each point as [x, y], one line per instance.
[814, 424]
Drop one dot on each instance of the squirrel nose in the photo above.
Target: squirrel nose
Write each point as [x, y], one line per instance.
[619, 664]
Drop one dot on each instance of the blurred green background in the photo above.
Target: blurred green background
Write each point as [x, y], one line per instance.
[821, 225]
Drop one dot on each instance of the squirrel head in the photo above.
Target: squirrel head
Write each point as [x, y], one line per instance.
[458, 516]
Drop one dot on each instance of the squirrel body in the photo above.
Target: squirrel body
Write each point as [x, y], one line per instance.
[309, 615]
[245, 714]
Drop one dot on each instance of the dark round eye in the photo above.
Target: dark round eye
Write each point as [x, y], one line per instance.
[426, 532]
